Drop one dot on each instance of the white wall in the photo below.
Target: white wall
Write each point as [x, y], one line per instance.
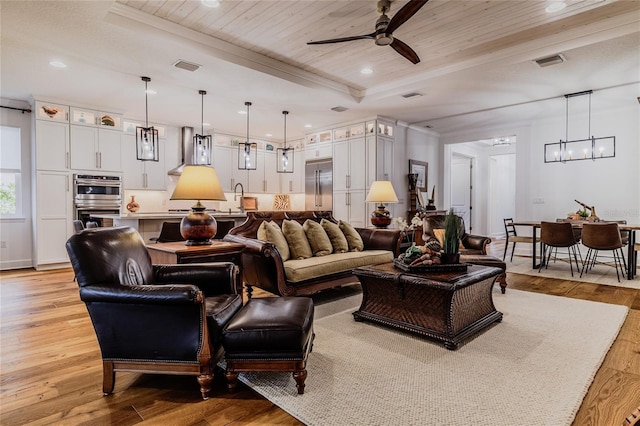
[423, 145]
[547, 191]
[16, 232]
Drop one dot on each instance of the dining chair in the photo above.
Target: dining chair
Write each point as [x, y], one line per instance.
[169, 233]
[513, 237]
[602, 237]
[554, 235]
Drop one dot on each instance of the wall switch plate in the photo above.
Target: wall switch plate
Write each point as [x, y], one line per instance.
[3, 244]
[538, 201]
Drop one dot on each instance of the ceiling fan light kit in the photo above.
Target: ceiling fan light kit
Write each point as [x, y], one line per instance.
[383, 35]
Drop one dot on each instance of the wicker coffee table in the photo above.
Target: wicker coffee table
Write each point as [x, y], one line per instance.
[447, 306]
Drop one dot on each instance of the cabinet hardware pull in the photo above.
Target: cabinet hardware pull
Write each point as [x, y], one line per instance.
[290, 186]
[67, 160]
[97, 161]
[100, 157]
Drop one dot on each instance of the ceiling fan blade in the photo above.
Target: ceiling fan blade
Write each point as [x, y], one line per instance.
[403, 49]
[340, 40]
[403, 15]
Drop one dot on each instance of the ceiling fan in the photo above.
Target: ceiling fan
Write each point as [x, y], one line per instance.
[383, 35]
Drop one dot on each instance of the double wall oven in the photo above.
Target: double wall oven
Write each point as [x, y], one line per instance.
[96, 194]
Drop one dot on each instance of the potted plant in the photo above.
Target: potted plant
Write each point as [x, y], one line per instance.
[451, 243]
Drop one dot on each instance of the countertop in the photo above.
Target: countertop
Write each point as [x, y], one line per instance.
[167, 215]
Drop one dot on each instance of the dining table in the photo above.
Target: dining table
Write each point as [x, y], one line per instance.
[631, 258]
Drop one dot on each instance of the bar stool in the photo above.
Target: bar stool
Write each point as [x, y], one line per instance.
[556, 235]
[602, 237]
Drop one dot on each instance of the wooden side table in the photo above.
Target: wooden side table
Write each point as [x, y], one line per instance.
[178, 252]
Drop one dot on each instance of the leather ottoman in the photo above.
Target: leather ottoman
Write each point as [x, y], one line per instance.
[486, 260]
[270, 334]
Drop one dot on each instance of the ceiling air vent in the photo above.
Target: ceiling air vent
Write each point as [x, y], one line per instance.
[189, 66]
[339, 109]
[412, 94]
[550, 60]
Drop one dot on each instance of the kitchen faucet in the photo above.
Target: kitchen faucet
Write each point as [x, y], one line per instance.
[235, 195]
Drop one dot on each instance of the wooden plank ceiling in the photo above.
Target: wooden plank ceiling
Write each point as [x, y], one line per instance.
[443, 31]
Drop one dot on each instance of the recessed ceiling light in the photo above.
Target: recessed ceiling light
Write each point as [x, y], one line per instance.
[308, 126]
[151, 92]
[555, 6]
[268, 135]
[366, 70]
[58, 64]
[242, 112]
[211, 3]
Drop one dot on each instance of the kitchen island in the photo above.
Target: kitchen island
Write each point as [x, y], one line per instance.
[149, 224]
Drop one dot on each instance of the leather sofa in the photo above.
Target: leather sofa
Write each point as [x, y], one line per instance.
[263, 267]
[165, 319]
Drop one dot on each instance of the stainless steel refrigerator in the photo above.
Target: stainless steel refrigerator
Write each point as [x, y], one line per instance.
[318, 186]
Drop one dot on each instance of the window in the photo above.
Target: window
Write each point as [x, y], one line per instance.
[10, 172]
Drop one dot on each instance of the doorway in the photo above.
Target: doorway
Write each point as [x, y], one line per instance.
[462, 188]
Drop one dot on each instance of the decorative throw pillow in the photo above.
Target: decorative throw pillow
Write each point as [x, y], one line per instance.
[354, 240]
[262, 231]
[297, 239]
[274, 235]
[338, 240]
[318, 238]
[439, 233]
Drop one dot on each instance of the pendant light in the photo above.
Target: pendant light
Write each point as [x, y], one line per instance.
[589, 148]
[202, 144]
[146, 137]
[284, 162]
[247, 151]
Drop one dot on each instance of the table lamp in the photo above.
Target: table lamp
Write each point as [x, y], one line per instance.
[382, 192]
[198, 183]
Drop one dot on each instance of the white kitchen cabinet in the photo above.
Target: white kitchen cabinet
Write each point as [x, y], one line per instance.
[318, 151]
[379, 159]
[52, 145]
[225, 161]
[271, 175]
[53, 218]
[291, 183]
[349, 169]
[95, 148]
[139, 174]
[351, 207]
[349, 179]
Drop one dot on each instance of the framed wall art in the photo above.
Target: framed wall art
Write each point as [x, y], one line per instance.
[420, 168]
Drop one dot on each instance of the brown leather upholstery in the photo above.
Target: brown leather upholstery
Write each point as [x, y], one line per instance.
[152, 318]
[270, 334]
[169, 233]
[603, 236]
[558, 235]
[472, 244]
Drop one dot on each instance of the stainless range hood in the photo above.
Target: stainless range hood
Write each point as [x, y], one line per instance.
[186, 150]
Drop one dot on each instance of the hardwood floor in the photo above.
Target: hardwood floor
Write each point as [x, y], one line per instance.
[51, 370]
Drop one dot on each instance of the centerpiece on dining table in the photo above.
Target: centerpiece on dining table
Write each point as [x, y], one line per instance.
[435, 256]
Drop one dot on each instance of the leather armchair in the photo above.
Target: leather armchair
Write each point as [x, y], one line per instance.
[472, 244]
[165, 319]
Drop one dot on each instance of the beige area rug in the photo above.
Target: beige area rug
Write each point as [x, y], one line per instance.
[533, 368]
[600, 274]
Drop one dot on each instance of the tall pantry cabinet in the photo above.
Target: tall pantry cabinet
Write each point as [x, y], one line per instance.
[53, 195]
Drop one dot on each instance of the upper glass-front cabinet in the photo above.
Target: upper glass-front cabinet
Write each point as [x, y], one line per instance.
[130, 127]
[53, 112]
[86, 117]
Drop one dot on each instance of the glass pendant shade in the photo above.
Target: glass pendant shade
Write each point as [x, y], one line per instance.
[247, 151]
[284, 160]
[147, 148]
[202, 144]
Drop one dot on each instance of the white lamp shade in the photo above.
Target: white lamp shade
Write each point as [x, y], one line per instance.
[381, 191]
[198, 183]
